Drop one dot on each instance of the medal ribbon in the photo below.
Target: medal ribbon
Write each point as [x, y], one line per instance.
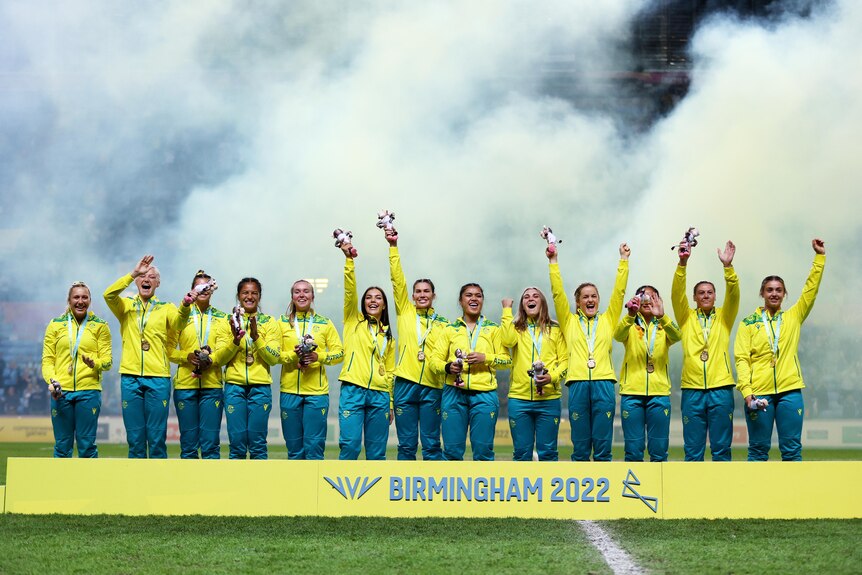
[774, 332]
[73, 349]
[142, 320]
[200, 329]
[474, 336]
[248, 340]
[420, 339]
[380, 351]
[650, 337]
[591, 338]
[300, 332]
[537, 343]
[705, 322]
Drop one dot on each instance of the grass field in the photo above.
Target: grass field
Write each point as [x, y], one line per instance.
[117, 544]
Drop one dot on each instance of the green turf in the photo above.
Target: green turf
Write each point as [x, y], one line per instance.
[749, 546]
[503, 453]
[108, 544]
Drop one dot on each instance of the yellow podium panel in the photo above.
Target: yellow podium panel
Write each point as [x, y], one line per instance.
[558, 490]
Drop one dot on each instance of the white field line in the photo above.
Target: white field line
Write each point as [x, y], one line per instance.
[617, 559]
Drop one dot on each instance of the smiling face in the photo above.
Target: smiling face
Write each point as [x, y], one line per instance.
[147, 283]
[203, 298]
[249, 297]
[373, 303]
[423, 295]
[647, 302]
[773, 294]
[302, 296]
[79, 301]
[532, 303]
[587, 300]
[704, 296]
[472, 299]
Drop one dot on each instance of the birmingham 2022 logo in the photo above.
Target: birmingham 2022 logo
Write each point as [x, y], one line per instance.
[352, 489]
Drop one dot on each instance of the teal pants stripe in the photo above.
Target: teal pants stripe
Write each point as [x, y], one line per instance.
[476, 410]
[786, 412]
[591, 413]
[417, 415]
[303, 424]
[145, 414]
[534, 423]
[199, 413]
[707, 411]
[248, 408]
[75, 418]
[362, 410]
[650, 413]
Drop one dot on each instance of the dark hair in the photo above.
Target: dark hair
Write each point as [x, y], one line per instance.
[384, 315]
[643, 288]
[700, 283]
[581, 287]
[291, 309]
[250, 281]
[424, 281]
[201, 274]
[464, 288]
[768, 279]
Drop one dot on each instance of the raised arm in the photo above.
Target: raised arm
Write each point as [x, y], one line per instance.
[730, 307]
[399, 283]
[508, 334]
[351, 298]
[615, 307]
[812, 285]
[558, 293]
[678, 301]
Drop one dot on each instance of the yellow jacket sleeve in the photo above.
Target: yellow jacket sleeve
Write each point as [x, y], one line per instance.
[561, 300]
[508, 334]
[671, 330]
[399, 284]
[678, 301]
[805, 303]
[352, 314]
[561, 366]
[615, 307]
[117, 304]
[269, 341]
[742, 351]
[440, 357]
[730, 307]
[621, 332]
[104, 359]
[225, 349]
[49, 345]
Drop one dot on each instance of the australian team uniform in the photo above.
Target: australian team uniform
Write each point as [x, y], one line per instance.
[534, 418]
[366, 378]
[304, 398]
[75, 415]
[707, 380]
[591, 377]
[418, 391]
[145, 372]
[767, 365]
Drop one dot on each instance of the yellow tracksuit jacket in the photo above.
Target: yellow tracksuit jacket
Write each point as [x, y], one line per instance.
[575, 332]
[211, 378]
[312, 380]
[479, 376]
[554, 354]
[57, 352]
[155, 318]
[361, 355]
[265, 351]
[753, 353]
[634, 377]
[715, 371]
[412, 325]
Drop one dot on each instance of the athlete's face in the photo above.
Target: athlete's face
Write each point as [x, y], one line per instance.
[373, 303]
[472, 301]
[588, 301]
[646, 303]
[423, 295]
[79, 302]
[147, 283]
[302, 295]
[249, 297]
[531, 302]
[203, 298]
[704, 297]
[773, 294]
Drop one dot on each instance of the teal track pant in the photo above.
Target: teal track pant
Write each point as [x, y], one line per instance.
[362, 410]
[417, 415]
[145, 414]
[650, 413]
[303, 424]
[476, 410]
[786, 411]
[591, 413]
[248, 408]
[707, 411]
[534, 423]
[75, 418]
[199, 413]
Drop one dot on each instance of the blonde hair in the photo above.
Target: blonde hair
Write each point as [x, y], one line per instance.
[544, 320]
[74, 285]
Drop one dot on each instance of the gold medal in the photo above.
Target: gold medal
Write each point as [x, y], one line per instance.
[70, 369]
[249, 359]
[382, 370]
[704, 355]
[145, 345]
[774, 361]
[591, 363]
[421, 355]
[650, 367]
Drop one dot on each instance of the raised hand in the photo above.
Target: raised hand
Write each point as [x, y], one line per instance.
[684, 251]
[819, 246]
[252, 327]
[143, 266]
[726, 257]
[507, 302]
[625, 251]
[657, 306]
[391, 235]
[634, 305]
